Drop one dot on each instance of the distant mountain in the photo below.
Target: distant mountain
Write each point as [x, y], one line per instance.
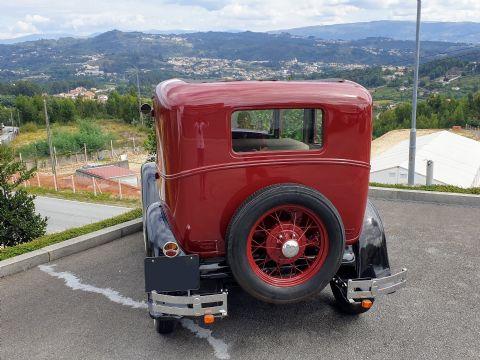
[116, 52]
[34, 37]
[465, 32]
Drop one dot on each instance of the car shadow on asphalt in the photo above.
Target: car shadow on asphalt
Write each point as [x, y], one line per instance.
[257, 314]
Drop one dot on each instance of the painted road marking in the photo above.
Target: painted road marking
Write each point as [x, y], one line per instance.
[219, 346]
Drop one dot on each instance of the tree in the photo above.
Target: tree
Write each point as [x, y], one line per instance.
[18, 221]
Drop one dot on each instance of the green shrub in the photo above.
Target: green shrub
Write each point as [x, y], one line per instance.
[29, 127]
[18, 221]
[67, 143]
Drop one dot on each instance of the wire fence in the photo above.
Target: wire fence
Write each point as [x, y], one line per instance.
[87, 155]
[68, 162]
[475, 129]
[83, 183]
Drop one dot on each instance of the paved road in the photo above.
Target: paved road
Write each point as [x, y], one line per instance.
[435, 317]
[8, 134]
[65, 214]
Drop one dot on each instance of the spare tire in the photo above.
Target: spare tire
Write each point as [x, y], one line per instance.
[285, 243]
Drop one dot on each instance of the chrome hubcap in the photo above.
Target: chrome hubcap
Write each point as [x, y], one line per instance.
[290, 248]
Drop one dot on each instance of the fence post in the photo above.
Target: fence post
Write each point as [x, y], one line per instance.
[120, 189]
[94, 189]
[55, 182]
[38, 180]
[98, 187]
[76, 157]
[21, 160]
[85, 151]
[73, 184]
[111, 149]
[55, 156]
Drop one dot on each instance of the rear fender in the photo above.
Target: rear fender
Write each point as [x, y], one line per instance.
[157, 229]
[371, 250]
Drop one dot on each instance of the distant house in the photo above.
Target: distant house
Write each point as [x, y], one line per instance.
[102, 98]
[89, 95]
[110, 172]
[456, 161]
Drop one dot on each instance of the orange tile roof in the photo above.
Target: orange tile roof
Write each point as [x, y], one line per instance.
[109, 172]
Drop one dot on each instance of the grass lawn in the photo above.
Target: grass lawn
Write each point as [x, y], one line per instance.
[50, 239]
[439, 188]
[85, 196]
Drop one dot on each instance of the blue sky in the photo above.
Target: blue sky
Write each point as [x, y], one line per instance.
[24, 17]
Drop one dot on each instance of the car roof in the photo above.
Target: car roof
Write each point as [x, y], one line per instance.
[177, 93]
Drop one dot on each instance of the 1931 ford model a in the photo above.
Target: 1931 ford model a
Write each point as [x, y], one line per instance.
[263, 184]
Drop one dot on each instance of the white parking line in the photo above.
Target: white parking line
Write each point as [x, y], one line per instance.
[220, 348]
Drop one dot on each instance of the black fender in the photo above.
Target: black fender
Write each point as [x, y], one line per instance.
[149, 184]
[150, 195]
[371, 250]
[157, 229]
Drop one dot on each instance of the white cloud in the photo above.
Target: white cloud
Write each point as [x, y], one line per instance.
[90, 16]
[36, 19]
[24, 27]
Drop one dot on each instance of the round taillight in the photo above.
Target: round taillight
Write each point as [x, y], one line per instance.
[170, 249]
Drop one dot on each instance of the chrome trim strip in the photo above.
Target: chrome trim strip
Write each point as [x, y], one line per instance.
[259, 162]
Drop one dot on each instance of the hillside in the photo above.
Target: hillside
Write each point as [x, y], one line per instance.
[467, 32]
[109, 55]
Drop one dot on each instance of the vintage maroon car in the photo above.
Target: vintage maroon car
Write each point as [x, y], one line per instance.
[263, 184]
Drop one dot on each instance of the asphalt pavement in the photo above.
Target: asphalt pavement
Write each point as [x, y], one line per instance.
[90, 305]
[65, 214]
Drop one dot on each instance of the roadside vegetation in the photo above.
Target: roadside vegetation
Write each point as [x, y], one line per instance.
[75, 123]
[46, 240]
[439, 188]
[18, 221]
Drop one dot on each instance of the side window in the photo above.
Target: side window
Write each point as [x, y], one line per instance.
[277, 129]
[260, 121]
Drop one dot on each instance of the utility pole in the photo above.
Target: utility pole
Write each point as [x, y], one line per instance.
[50, 146]
[18, 118]
[413, 131]
[139, 100]
[11, 117]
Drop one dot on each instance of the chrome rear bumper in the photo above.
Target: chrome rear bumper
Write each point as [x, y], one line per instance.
[362, 289]
[193, 305]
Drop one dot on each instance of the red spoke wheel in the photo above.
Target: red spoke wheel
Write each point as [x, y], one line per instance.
[285, 243]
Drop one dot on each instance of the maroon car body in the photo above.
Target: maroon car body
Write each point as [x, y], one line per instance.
[204, 181]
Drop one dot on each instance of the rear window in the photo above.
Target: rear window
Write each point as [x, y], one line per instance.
[277, 130]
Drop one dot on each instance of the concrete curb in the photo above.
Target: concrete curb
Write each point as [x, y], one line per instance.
[433, 197]
[49, 253]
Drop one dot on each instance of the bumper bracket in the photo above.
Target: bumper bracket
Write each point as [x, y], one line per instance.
[370, 288]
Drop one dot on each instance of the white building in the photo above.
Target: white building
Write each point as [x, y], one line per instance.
[456, 161]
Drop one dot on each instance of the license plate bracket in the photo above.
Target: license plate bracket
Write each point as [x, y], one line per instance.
[164, 274]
